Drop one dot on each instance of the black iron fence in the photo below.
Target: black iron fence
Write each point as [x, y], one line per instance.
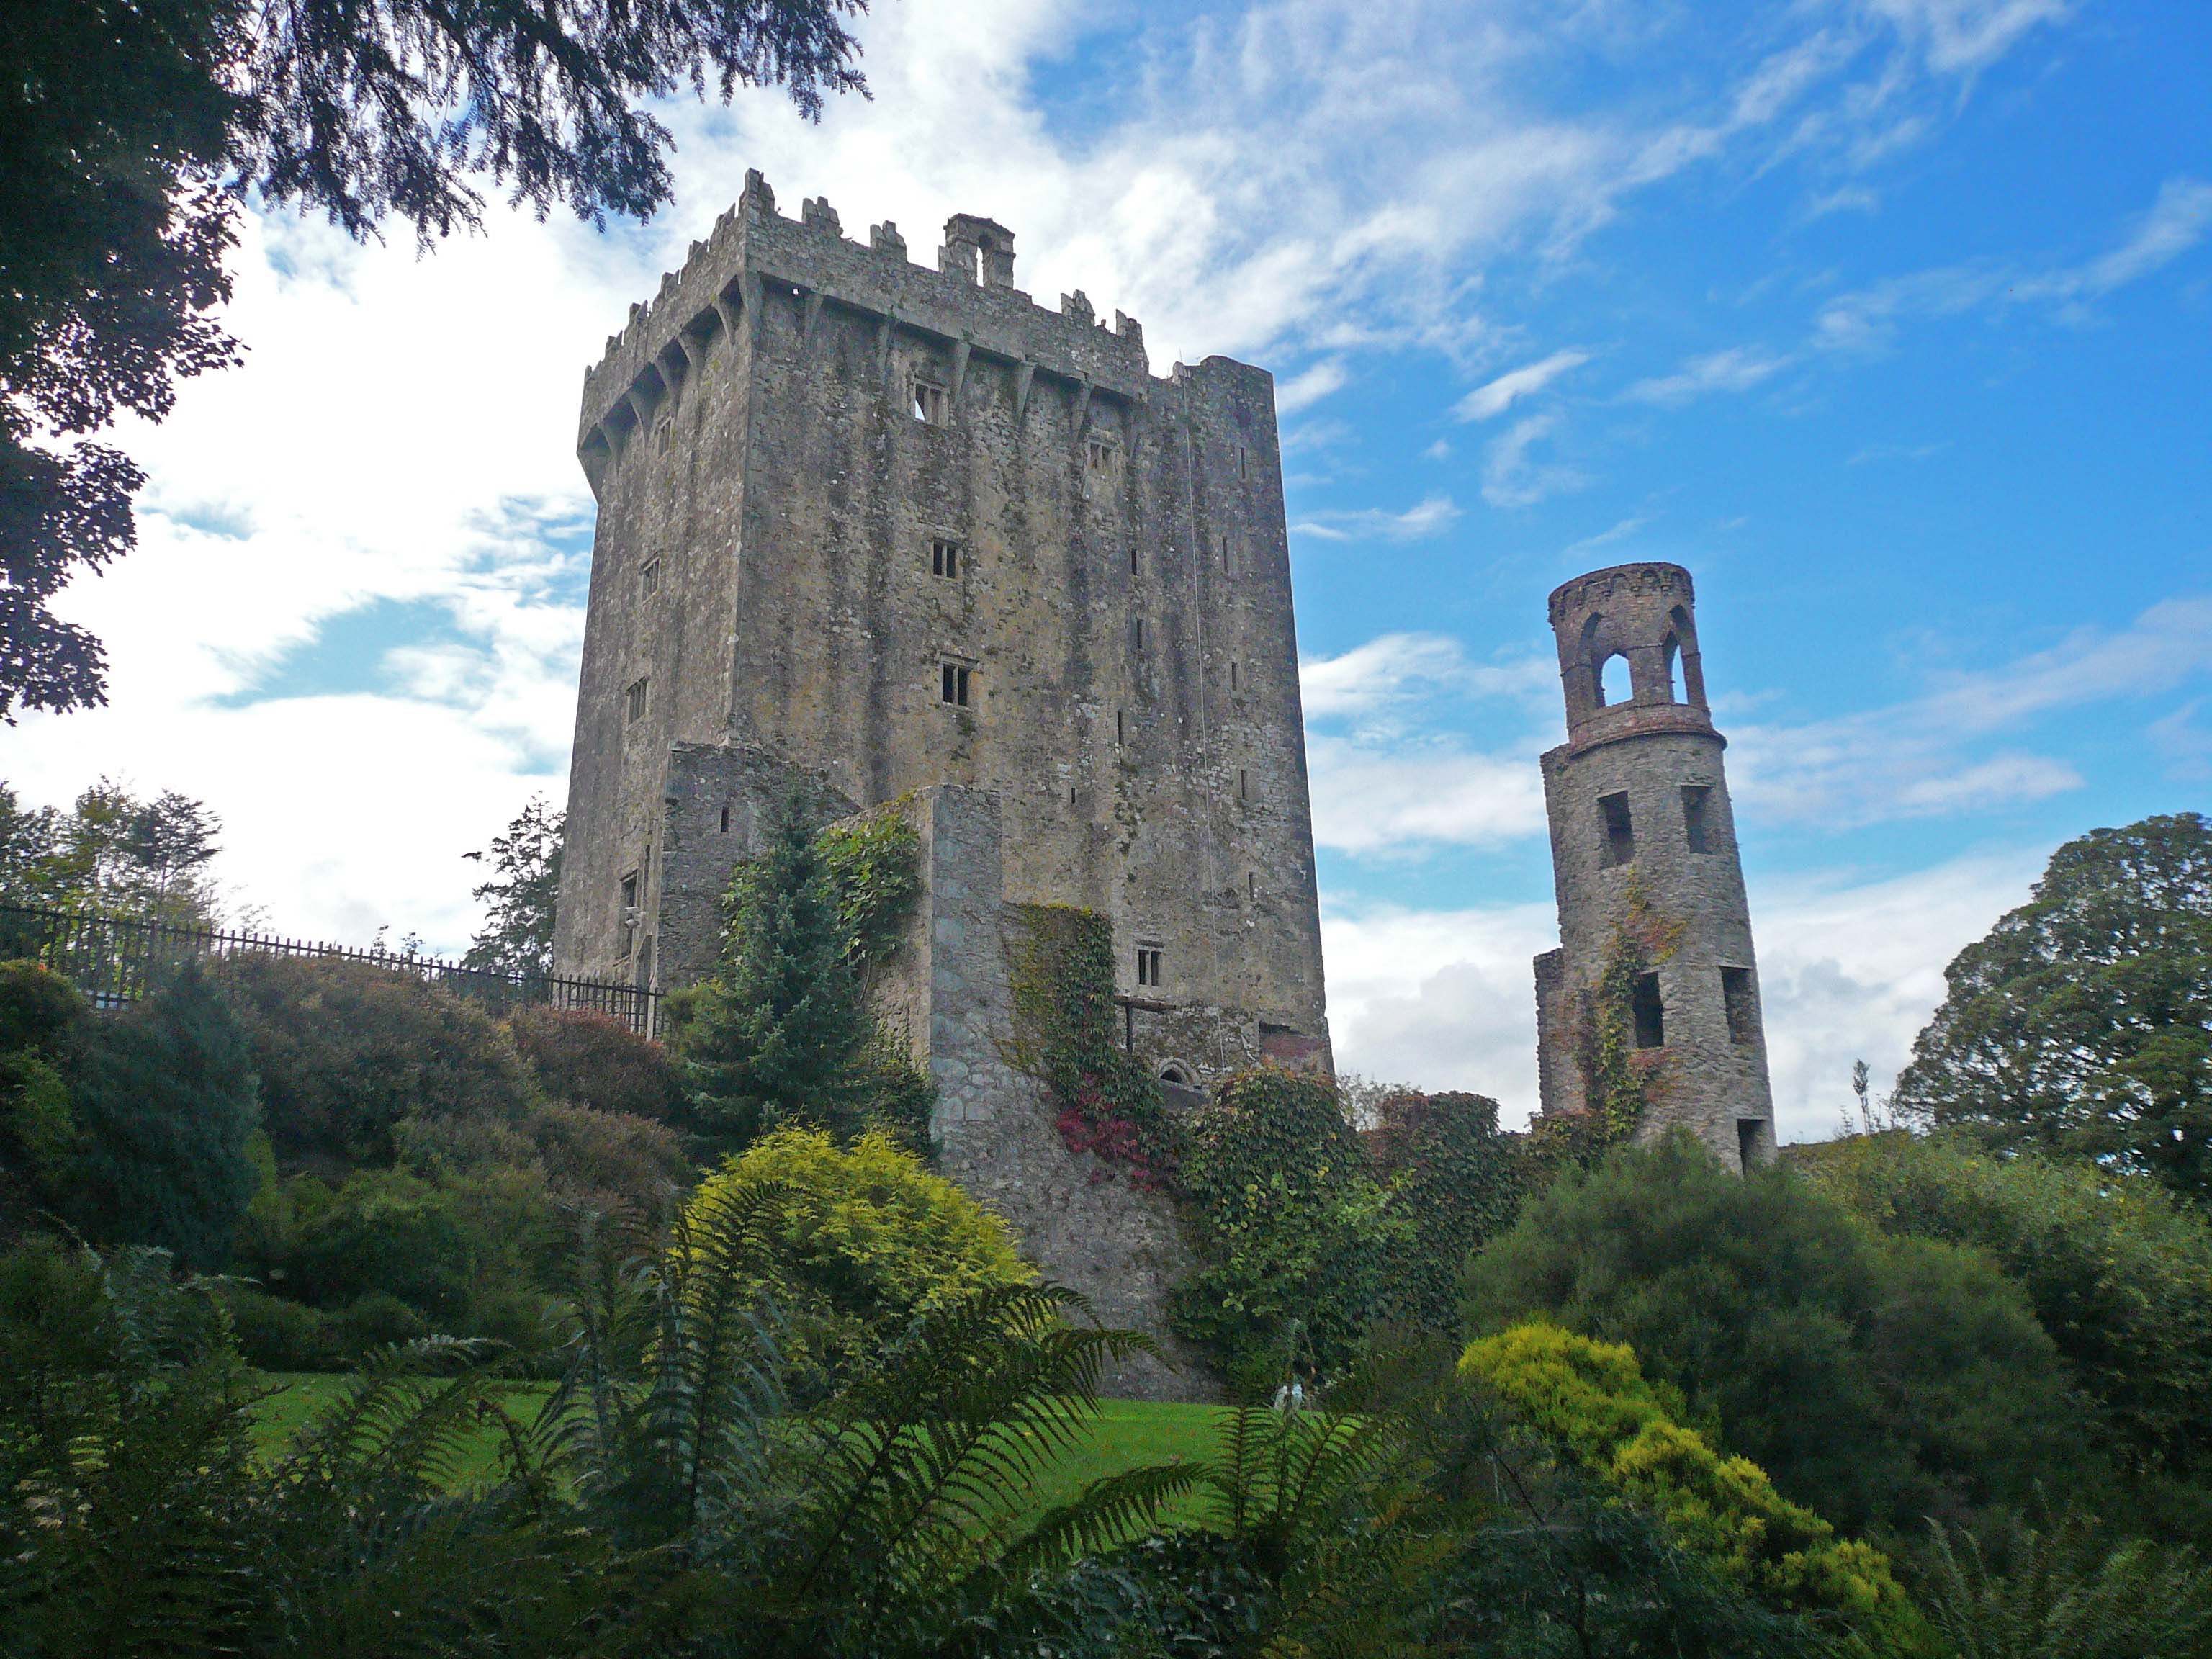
[113, 961]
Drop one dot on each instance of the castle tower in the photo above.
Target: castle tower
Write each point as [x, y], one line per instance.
[882, 525]
[1644, 845]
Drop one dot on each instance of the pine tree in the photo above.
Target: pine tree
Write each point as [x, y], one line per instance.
[517, 935]
[774, 1036]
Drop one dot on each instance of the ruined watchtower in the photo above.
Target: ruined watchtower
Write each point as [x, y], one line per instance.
[1644, 840]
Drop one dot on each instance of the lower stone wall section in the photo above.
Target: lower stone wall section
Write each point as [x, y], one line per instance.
[1075, 1216]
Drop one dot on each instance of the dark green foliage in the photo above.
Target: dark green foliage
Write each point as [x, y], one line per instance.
[347, 1049]
[38, 1011]
[133, 128]
[2082, 1023]
[517, 935]
[1454, 1181]
[38, 1007]
[781, 1034]
[1295, 1242]
[595, 1061]
[1877, 1382]
[1066, 1036]
[2065, 1591]
[2117, 1271]
[165, 1100]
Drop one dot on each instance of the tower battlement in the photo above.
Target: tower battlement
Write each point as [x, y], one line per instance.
[968, 300]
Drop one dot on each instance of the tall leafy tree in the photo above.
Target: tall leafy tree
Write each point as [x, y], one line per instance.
[517, 935]
[114, 854]
[130, 130]
[165, 1098]
[2082, 1023]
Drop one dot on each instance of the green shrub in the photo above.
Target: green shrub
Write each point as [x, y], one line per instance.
[863, 1238]
[1455, 1182]
[277, 1334]
[584, 1058]
[1877, 1383]
[164, 1102]
[2116, 1269]
[606, 1161]
[38, 1007]
[1294, 1240]
[375, 1321]
[1591, 1398]
[347, 1049]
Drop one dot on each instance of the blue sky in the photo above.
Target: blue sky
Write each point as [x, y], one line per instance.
[1890, 318]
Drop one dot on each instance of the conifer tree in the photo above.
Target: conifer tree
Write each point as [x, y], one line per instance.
[776, 1034]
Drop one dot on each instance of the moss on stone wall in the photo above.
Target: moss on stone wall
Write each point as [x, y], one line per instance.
[1620, 1080]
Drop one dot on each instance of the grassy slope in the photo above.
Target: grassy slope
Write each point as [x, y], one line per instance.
[1128, 1433]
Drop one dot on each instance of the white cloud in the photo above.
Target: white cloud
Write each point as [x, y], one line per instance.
[1619, 532]
[1867, 319]
[1496, 397]
[1435, 792]
[1431, 516]
[1922, 758]
[1962, 36]
[1739, 369]
[1511, 477]
[1396, 668]
[1848, 969]
[1305, 390]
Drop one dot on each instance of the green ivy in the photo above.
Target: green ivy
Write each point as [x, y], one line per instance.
[874, 863]
[1456, 1180]
[1297, 1243]
[1060, 960]
[1620, 1080]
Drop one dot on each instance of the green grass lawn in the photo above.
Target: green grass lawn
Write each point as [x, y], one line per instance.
[1125, 1434]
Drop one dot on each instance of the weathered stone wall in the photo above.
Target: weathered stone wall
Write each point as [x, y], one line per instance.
[947, 986]
[1122, 603]
[1647, 749]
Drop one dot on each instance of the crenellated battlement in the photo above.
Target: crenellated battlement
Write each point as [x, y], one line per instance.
[968, 300]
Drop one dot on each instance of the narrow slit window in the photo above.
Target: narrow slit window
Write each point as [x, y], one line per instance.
[1102, 458]
[1694, 799]
[1232, 677]
[1648, 1010]
[1750, 1136]
[648, 579]
[1132, 562]
[944, 558]
[627, 916]
[952, 684]
[1243, 785]
[1137, 632]
[1742, 1002]
[1120, 726]
[1620, 833]
[929, 403]
[1244, 462]
[1148, 966]
[726, 820]
[1251, 884]
[1228, 557]
[633, 701]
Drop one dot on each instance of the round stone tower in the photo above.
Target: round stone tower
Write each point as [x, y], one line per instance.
[1643, 849]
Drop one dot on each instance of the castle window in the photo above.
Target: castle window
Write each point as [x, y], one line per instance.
[1649, 1011]
[930, 404]
[1244, 790]
[1101, 457]
[952, 684]
[1694, 797]
[633, 701]
[648, 579]
[1148, 966]
[661, 438]
[1232, 677]
[1228, 558]
[1619, 835]
[627, 918]
[1137, 632]
[1120, 726]
[1750, 1136]
[943, 557]
[1244, 462]
[1673, 655]
[1613, 683]
[726, 820]
[1251, 884]
[1132, 559]
[1741, 1003]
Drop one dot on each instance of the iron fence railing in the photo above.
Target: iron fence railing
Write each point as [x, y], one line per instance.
[112, 960]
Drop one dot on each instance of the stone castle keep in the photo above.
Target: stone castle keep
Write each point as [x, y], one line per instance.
[1640, 818]
[890, 533]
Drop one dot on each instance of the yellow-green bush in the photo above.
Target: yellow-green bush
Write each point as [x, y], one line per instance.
[1592, 1398]
[865, 1238]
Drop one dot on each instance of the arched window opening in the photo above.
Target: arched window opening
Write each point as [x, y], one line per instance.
[1175, 1077]
[1674, 655]
[1613, 681]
